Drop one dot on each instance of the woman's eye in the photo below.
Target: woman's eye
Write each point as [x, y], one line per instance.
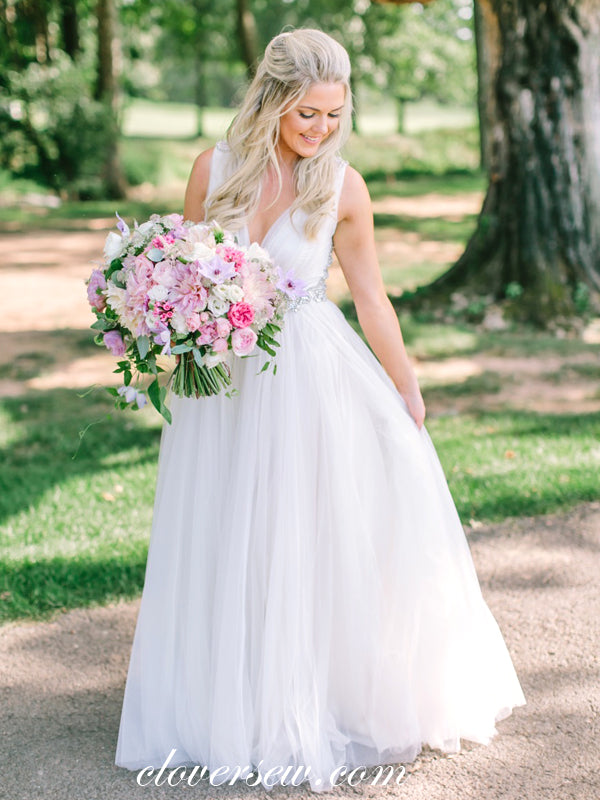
[310, 116]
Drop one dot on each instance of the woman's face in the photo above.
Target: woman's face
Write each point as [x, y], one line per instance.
[316, 117]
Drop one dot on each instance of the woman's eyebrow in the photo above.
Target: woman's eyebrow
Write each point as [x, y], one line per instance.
[312, 108]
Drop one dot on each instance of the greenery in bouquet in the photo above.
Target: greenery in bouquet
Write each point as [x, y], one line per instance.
[176, 288]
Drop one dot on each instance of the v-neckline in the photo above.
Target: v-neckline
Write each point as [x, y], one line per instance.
[275, 223]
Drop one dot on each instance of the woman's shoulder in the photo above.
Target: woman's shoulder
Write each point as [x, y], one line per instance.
[201, 166]
[354, 194]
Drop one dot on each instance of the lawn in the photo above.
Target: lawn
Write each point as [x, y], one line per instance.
[512, 436]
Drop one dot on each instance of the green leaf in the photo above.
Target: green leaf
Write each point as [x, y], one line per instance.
[154, 395]
[101, 325]
[143, 345]
[197, 356]
[181, 348]
[268, 349]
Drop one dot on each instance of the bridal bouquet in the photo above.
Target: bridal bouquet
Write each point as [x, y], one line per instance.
[170, 287]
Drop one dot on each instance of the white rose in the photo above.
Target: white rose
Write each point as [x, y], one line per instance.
[200, 251]
[228, 291]
[115, 298]
[113, 246]
[217, 305]
[256, 253]
[158, 293]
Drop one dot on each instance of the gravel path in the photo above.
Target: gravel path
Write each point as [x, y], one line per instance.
[62, 686]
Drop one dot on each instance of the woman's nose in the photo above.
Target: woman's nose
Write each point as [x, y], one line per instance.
[320, 125]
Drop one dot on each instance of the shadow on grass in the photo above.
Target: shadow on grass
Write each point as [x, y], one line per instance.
[78, 549]
[38, 588]
[47, 449]
[517, 463]
[436, 229]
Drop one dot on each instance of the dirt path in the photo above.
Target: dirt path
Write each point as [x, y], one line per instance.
[42, 286]
[62, 687]
[61, 682]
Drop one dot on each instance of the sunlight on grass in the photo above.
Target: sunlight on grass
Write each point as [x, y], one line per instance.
[500, 465]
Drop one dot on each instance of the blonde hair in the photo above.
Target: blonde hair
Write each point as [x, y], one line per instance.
[293, 62]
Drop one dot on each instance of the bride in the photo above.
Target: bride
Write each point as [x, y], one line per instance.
[310, 600]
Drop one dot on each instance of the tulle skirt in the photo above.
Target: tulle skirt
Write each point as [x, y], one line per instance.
[310, 598]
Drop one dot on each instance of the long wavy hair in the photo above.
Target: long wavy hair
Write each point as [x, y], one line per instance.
[292, 63]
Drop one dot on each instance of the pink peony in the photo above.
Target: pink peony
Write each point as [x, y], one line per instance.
[223, 327]
[208, 333]
[193, 322]
[219, 345]
[241, 315]
[243, 341]
[114, 341]
[96, 282]
[189, 294]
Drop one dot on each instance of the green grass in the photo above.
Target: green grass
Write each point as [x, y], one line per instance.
[511, 464]
[73, 531]
[444, 160]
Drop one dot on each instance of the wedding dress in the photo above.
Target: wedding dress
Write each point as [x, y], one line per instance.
[310, 598]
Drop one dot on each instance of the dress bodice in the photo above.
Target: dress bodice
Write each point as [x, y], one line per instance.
[285, 241]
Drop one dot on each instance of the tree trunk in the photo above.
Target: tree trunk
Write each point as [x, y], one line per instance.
[487, 40]
[8, 37]
[38, 13]
[248, 36]
[200, 93]
[106, 92]
[70, 28]
[400, 115]
[540, 222]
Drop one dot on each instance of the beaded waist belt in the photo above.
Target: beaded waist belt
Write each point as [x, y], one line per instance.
[316, 293]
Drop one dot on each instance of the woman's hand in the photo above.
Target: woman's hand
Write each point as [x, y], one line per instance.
[416, 406]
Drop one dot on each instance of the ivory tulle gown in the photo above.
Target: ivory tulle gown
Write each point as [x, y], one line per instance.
[310, 598]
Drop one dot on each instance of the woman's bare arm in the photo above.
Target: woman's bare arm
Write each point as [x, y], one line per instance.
[354, 243]
[195, 193]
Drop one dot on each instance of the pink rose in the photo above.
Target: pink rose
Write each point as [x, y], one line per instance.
[114, 341]
[240, 315]
[243, 341]
[95, 283]
[219, 345]
[223, 327]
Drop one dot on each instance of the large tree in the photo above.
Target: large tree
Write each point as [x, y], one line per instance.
[106, 93]
[539, 229]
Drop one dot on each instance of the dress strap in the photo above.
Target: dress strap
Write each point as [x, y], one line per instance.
[339, 182]
[220, 164]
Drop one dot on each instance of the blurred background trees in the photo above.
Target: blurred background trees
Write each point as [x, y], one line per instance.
[68, 69]
[73, 73]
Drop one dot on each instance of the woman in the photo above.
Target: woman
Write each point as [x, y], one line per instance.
[310, 599]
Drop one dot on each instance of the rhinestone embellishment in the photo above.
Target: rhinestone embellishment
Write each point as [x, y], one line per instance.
[316, 293]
